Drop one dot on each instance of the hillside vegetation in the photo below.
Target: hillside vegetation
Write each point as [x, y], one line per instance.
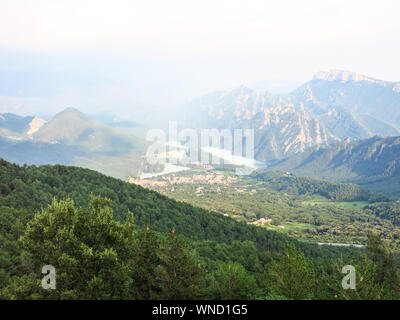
[125, 245]
[286, 182]
[306, 208]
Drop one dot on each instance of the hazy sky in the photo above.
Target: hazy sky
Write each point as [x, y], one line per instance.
[118, 55]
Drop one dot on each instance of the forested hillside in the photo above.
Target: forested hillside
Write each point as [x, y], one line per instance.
[33, 188]
[126, 243]
[287, 182]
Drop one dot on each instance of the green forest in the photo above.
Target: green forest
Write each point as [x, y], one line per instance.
[309, 209]
[108, 239]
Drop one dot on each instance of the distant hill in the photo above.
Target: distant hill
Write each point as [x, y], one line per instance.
[373, 163]
[71, 127]
[73, 138]
[291, 184]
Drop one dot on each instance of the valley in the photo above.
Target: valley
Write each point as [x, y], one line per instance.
[312, 210]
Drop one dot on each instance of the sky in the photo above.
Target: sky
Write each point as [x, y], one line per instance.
[124, 57]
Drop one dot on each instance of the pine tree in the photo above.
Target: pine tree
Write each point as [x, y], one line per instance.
[144, 265]
[232, 282]
[366, 286]
[88, 249]
[385, 262]
[291, 275]
[179, 276]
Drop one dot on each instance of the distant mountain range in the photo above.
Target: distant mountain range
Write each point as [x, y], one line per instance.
[70, 138]
[333, 106]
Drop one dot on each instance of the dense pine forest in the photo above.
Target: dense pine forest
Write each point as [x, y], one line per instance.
[108, 239]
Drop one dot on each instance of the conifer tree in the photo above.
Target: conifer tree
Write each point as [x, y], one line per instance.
[88, 249]
[179, 275]
[384, 260]
[233, 282]
[145, 261]
[292, 276]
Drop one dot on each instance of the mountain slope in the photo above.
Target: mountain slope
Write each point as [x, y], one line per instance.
[17, 127]
[32, 188]
[291, 184]
[72, 138]
[373, 163]
[352, 105]
[333, 106]
[213, 240]
[281, 127]
[71, 127]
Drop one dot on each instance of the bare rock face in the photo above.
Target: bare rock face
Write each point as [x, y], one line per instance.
[333, 106]
[285, 129]
[35, 125]
[340, 75]
[281, 127]
[356, 96]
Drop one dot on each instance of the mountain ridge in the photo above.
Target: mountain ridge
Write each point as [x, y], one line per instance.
[333, 106]
[373, 163]
[344, 75]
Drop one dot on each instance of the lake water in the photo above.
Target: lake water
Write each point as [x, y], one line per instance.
[228, 157]
[223, 154]
[168, 168]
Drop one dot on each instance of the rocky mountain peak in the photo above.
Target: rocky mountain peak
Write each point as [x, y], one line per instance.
[341, 75]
